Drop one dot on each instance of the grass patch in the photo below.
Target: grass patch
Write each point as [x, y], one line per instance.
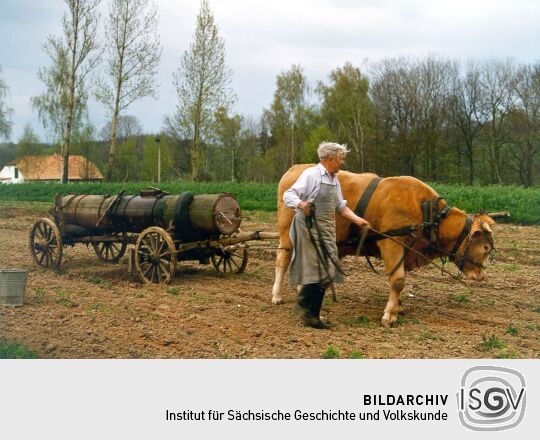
[506, 353]
[199, 298]
[511, 330]
[491, 342]
[39, 294]
[331, 353]
[98, 281]
[426, 334]
[355, 321]
[104, 309]
[356, 354]
[174, 291]
[511, 267]
[328, 300]
[402, 320]
[488, 301]
[63, 298]
[15, 351]
[536, 309]
[462, 299]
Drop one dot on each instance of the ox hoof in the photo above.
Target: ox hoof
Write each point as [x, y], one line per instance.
[401, 310]
[388, 320]
[277, 301]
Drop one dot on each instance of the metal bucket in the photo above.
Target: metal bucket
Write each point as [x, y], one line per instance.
[12, 286]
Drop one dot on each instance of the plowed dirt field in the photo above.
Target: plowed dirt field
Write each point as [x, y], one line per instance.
[93, 309]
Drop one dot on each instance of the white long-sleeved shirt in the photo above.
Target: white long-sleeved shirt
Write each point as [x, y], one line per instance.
[306, 188]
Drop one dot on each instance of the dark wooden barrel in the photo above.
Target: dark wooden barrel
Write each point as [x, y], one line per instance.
[215, 213]
[87, 210]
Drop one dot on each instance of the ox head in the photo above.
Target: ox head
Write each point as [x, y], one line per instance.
[475, 250]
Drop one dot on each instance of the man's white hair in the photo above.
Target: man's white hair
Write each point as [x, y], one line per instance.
[331, 149]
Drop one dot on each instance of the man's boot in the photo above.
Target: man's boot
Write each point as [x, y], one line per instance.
[317, 304]
[309, 305]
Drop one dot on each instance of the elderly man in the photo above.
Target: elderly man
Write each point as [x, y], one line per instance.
[316, 196]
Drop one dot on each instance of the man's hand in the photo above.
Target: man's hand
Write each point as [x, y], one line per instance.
[353, 218]
[361, 223]
[306, 207]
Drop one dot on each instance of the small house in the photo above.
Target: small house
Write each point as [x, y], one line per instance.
[49, 169]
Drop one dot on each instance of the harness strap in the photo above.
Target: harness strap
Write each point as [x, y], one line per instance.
[362, 205]
[464, 233]
[398, 232]
[432, 218]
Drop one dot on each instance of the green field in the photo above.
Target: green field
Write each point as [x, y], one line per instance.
[523, 203]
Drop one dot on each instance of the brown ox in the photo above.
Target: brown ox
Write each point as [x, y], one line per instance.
[397, 202]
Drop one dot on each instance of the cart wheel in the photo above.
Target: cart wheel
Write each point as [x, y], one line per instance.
[46, 243]
[231, 259]
[110, 250]
[156, 255]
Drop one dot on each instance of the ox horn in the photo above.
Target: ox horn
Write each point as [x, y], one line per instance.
[496, 215]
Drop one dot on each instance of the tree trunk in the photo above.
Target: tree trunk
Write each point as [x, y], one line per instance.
[112, 150]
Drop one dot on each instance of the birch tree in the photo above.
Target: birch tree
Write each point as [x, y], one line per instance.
[74, 55]
[133, 56]
[5, 111]
[203, 86]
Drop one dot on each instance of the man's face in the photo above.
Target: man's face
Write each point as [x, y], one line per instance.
[335, 163]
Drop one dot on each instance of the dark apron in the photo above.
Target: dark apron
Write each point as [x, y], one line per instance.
[305, 266]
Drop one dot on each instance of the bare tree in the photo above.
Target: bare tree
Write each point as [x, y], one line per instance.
[203, 86]
[5, 111]
[525, 122]
[396, 89]
[467, 112]
[73, 56]
[434, 92]
[134, 53]
[497, 81]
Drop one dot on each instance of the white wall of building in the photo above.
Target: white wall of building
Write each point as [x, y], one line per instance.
[7, 175]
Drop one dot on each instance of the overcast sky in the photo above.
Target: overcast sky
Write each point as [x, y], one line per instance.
[263, 38]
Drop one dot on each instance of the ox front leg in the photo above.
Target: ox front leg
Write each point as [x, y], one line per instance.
[392, 254]
[282, 263]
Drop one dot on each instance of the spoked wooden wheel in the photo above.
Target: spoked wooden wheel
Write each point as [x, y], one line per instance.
[46, 243]
[110, 250]
[156, 255]
[231, 259]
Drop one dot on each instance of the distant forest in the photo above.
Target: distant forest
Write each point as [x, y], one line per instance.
[439, 119]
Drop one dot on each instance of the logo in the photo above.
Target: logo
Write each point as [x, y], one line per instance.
[491, 398]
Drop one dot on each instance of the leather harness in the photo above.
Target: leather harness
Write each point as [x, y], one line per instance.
[430, 226]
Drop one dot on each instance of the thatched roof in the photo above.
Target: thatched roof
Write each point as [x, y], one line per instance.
[50, 168]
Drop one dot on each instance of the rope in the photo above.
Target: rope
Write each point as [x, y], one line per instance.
[323, 255]
[407, 249]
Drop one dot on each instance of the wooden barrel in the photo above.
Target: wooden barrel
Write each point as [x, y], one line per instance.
[215, 213]
[87, 211]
